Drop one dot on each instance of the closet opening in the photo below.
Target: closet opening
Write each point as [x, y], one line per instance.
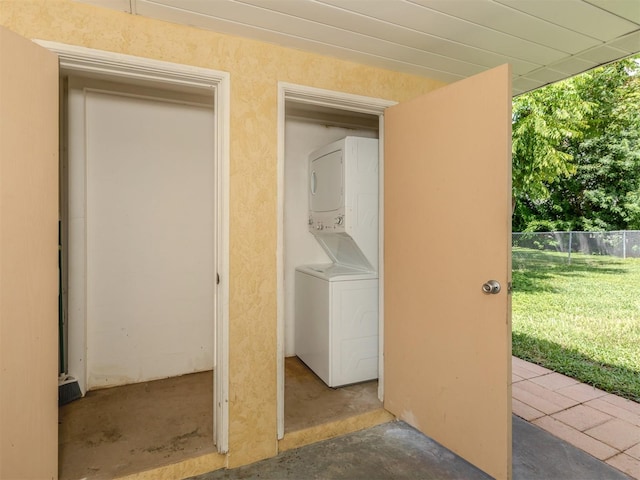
[313, 398]
[138, 242]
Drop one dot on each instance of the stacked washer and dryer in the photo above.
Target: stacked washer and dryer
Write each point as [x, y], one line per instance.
[336, 304]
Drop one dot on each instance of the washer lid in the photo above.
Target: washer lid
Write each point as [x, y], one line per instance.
[343, 250]
[336, 271]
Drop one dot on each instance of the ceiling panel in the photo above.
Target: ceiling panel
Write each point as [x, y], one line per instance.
[543, 40]
[602, 54]
[576, 15]
[572, 65]
[525, 84]
[629, 9]
[162, 12]
[398, 35]
[629, 43]
[505, 19]
[419, 18]
[276, 26]
[546, 75]
[272, 21]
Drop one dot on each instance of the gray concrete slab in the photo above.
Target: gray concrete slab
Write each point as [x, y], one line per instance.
[539, 455]
[397, 451]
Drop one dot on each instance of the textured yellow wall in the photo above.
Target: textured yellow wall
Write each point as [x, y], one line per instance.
[255, 69]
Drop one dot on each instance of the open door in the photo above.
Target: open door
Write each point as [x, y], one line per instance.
[447, 214]
[28, 259]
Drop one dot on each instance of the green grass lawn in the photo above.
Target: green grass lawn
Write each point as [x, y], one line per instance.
[581, 319]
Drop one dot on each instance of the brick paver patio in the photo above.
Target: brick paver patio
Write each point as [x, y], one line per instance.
[603, 425]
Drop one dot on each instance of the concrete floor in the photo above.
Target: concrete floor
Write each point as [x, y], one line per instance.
[397, 451]
[123, 430]
[309, 402]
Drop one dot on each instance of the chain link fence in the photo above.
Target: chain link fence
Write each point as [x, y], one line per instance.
[622, 244]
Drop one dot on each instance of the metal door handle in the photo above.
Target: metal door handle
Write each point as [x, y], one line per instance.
[491, 287]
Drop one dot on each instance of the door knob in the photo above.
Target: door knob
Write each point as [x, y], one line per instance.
[491, 287]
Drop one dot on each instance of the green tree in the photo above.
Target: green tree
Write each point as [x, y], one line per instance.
[607, 181]
[543, 122]
[599, 186]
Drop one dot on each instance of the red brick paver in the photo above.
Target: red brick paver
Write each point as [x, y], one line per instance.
[581, 392]
[617, 433]
[601, 424]
[634, 452]
[554, 381]
[582, 417]
[614, 410]
[576, 438]
[627, 464]
[525, 411]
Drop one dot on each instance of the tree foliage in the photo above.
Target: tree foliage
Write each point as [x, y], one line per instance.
[543, 122]
[577, 152]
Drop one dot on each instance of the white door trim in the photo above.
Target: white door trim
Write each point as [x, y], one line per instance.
[343, 101]
[108, 65]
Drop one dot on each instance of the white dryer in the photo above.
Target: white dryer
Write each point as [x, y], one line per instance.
[336, 332]
[343, 201]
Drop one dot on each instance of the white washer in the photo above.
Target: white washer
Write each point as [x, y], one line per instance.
[336, 333]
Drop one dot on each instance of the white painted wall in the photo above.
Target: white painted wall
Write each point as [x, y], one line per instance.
[149, 238]
[300, 247]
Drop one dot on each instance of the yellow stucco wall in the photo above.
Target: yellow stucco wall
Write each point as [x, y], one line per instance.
[255, 69]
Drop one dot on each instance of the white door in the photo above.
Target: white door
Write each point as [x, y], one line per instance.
[447, 231]
[149, 235]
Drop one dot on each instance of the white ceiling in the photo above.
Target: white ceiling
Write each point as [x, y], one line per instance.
[543, 40]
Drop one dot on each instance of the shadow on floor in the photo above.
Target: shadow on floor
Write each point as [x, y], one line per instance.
[397, 451]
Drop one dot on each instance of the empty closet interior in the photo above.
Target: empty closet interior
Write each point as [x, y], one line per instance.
[137, 242]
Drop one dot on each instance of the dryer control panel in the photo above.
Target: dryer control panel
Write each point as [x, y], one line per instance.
[332, 222]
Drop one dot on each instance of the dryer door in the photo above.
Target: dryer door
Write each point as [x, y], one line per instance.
[326, 190]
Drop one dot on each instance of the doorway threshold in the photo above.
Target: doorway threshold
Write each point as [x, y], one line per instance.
[354, 423]
[315, 412]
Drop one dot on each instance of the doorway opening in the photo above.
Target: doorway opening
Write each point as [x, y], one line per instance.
[138, 243]
[144, 269]
[311, 119]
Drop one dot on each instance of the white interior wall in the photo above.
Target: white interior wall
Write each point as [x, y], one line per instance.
[302, 136]
[149, 238]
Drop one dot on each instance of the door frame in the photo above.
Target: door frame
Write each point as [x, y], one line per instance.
[109, 65]
[343, 101]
